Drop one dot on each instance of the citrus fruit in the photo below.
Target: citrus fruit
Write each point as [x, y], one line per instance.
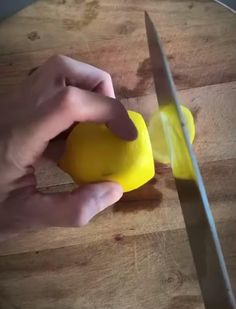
[93, 153]
[157, 136]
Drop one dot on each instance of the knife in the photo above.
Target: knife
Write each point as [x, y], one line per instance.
[203, 238]
[229, 4]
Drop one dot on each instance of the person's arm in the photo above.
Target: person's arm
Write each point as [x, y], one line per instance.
[59, 93]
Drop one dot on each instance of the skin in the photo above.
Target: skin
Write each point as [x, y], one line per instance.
[62, 91]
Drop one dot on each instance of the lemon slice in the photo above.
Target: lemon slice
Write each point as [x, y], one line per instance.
[157, 136]
[93, 153]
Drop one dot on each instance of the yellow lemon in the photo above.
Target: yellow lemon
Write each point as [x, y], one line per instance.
[93, 153]
[157, 136]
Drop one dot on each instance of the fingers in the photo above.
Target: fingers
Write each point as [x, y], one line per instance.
[83, 75]
[76, 105]
[59, 210]
[105, 87]
[79, 207]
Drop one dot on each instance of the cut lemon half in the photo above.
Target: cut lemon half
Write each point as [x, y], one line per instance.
[157, 136]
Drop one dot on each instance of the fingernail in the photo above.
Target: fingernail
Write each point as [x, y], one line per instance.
[133, 133]
[125, 130]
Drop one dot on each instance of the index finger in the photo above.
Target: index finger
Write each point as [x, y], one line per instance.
[82, 75]
[77, 105]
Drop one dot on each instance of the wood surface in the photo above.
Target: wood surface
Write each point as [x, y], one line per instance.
[199, 38]
[136, 253]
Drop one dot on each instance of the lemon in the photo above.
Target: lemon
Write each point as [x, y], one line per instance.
[157, 136]
[93, 153]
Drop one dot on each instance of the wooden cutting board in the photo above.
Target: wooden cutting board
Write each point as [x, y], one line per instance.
[136, 253]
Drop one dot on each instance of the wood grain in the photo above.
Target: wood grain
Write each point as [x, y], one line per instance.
[140, 271]
[213, 108]
[136, 253]
[106, 274]
[199, 38]
[144, 214]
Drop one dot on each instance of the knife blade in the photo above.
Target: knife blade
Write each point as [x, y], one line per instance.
[200, 226]
[229, 4]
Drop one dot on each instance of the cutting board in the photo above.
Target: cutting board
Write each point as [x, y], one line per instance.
[136, 253]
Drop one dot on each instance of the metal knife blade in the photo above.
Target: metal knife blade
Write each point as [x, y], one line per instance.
[204, 242]
[229, 4]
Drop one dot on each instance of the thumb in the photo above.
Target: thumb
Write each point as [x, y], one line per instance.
[93, 199]
[59, 210]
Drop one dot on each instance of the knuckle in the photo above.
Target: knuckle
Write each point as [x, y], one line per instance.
[81, 221]
[76, 216]
[70, 103]
[82, 217]
[57, 59]
[107, 76]
[88, 209]
[67, 96]
[64, 101]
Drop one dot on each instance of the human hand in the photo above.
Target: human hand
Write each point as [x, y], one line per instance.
[62, 91]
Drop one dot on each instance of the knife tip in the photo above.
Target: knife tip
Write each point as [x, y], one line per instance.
[147, 18]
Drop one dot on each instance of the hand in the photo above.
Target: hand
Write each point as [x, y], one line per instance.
[59, 93]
